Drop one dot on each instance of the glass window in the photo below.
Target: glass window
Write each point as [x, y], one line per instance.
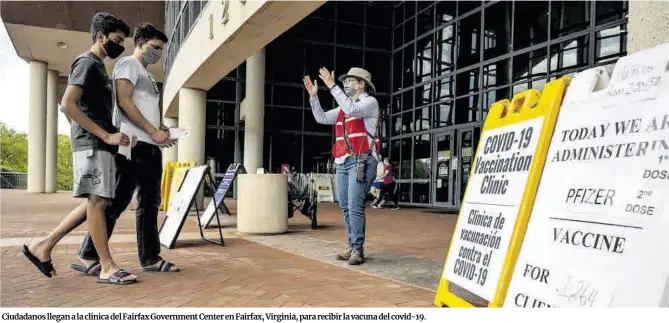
[538, 84]
[287, 119]
[425, 19]
[398, 36]
[399, 14]
[409, 73]
[443, 114]
[291, 69]
[444, 89]
[286, 149]
[466, 109]
[327, 10]
[351, 11]
[520, 88]
[421, 154]
[350, 34]
[410, 30]
[378, 64]
[445, 11]
[320, 30]
[394, 154]
[409, 9]
[384, 103]
[405, 159]
[311, 125]
[407, 100]
[531, 23]
[397, 103]
[407, 122]
[424, 94]
[289, 96]
[405, 192]
[220, 114]
[568, 17]
[422, 119]
[607, 11]
[318, 56]
[611, 44]
[497, 31]
[397, 71]
[223, 90]
[467, 6]
[379, 14]
[378, 38]
[424, 59]
[347, 58]
[496, 74]
[468, 40]
[220, 144]
[445, 51]
[569, 54]
[493, 96]
[421, 193]
[317, 151]
[467, 82]
[396, 129]
[529, 65]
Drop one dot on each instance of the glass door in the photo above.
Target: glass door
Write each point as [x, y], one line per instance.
[444, 170]
[468, 140]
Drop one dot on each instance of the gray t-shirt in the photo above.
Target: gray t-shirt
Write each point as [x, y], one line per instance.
[88, 72]
[146, 96]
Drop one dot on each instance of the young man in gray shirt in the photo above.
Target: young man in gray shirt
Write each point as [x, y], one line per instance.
[137, 104]
[95, 140]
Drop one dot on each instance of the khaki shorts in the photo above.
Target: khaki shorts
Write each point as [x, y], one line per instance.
[94, 173]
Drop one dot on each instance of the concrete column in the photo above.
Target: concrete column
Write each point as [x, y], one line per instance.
[51, 170]
[170, 154]
[37, 127]
[648, 25]
[192, 115]
[253, 112]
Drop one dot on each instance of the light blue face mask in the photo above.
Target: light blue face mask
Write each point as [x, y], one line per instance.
[350, 91]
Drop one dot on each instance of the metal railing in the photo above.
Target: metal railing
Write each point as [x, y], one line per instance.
[13, 180]
[180, 16]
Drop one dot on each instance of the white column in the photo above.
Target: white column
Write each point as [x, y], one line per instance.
[192, 115]
[37, 127]
[170, 154]
[253, 112]
[648, 25]
[51, 170]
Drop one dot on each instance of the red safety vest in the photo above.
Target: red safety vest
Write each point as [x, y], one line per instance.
[356, 133]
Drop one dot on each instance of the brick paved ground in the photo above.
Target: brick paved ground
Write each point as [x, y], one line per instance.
[273, 271]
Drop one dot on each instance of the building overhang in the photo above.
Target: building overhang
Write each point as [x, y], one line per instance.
[214, 47]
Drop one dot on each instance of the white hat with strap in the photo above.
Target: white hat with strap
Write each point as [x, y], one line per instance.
[360, 74]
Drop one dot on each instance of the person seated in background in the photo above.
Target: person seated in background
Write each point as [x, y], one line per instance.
[378, 183]
[388, 188]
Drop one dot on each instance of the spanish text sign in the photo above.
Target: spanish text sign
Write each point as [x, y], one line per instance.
[490, 208]
[597, 235]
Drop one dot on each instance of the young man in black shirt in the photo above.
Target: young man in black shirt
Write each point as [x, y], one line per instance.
[95, 140]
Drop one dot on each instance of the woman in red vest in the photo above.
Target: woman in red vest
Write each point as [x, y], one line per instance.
[356, 148]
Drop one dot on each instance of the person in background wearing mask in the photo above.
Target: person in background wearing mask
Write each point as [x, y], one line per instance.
[137, 104]
[356, 148]
[95, 140]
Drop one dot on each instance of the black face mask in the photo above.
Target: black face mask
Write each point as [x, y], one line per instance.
[113, 49]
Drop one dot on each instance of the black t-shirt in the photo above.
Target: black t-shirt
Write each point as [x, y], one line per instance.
[88, 72]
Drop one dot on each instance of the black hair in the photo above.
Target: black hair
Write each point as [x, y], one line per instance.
[107, 23]
[146, 32]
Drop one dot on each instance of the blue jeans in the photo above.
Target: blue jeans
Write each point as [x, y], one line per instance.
[352, 196]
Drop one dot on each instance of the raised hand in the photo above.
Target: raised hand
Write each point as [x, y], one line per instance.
[311, 87]
[327, 77]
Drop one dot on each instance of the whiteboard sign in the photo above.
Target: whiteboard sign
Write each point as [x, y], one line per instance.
[180, 205]
[490, 207]
[597, 235]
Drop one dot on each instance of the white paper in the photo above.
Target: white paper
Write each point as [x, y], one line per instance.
[490, 207]
[177, 133]
[125, 150]
[597, 235]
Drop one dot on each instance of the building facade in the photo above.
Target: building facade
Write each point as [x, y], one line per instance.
[437, 66]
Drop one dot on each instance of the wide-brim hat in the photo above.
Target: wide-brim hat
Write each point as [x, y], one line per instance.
[360, 74]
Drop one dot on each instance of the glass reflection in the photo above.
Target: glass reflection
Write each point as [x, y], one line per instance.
[445, 50]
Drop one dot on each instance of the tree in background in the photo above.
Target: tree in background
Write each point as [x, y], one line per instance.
[13, 150]
[14, 155]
